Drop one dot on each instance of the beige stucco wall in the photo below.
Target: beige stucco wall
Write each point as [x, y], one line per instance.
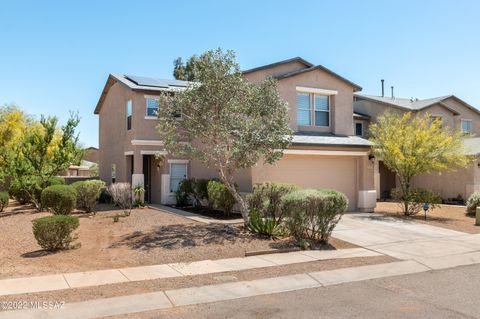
[260, 75]
[113, 134]
[341, 105]
[451, 184]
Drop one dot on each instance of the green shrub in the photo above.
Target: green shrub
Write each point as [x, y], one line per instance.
[264, 226]
[192, 191]
[200, 189]
[415, 199]
[4, 197]
[472, 203]
[184, 192]
[220, 197]
[55, 232]
[30, 189]
[88, 193]
[139, 195]
[313, 214]
[60, 199]
[266, 198]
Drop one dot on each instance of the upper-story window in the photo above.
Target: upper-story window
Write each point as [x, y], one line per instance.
[303, 109]
[129, 114]
[466, 126]
[359, 129]
[322, 110]
[152, 106]
[316, 113]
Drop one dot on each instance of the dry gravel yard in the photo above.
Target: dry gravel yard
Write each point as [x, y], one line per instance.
[146, 237]
[447, 216]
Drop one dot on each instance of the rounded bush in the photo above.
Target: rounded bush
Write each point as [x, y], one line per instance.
[60, 199]
[220, 197]
[3, 200]
[313, 213]
[266, 198]
[88, 193]
[473, 202]
[55, 232]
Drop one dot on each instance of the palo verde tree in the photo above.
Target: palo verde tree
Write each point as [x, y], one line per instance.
[43, 151]
[13, 123]
[410, 145]
[226, 122]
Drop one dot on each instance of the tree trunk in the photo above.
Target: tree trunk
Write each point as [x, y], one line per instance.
[230, 185]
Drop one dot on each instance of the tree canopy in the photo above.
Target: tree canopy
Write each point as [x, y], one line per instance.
[411, 145]
[35, 151]
[224, 121]
[185, 71]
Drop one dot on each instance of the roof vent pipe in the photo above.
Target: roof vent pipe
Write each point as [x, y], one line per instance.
[383, 87]
[393, 96]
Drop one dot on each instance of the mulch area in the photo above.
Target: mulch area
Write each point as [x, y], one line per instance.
[146, 237]
[447, 216]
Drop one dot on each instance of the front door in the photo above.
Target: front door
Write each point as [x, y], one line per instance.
[147, 175]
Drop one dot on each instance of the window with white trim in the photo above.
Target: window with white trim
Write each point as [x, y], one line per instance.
[303, 109]
[466, 126]
[152, 106]
[129, 115]
[178, 172]
[321, 110]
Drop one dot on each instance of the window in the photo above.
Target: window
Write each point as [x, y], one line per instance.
[178, 172]
[359, 129]
[466, 126]
[303, 109]
[152, 107]
[114, 172]
[177, 113]
[129, 114]
[436, 118]
[322, 110]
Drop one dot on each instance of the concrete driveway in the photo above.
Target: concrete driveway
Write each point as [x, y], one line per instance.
[408, 240]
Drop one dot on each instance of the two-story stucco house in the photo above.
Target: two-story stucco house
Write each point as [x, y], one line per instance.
[454, 113]
[325, 152]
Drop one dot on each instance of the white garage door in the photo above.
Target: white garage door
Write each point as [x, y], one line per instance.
[337, 173]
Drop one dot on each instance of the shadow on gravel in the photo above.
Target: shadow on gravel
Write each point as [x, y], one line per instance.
[174, 236]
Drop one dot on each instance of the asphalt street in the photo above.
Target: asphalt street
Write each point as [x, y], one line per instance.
[451, 293]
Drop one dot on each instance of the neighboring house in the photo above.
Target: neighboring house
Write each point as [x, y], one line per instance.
[85, 169]
[454, 113]
[325, 152]
[91, 154]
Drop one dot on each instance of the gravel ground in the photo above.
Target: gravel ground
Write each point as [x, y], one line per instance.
[447, 216]
[106, 291]
[146, 237]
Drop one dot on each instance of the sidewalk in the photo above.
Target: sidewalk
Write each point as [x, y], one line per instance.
[113, 276]
[212, 293]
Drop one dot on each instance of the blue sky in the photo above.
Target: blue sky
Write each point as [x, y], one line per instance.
[55, 56]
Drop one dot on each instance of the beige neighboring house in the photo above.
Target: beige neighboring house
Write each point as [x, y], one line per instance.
[325, 152]
[454, 113]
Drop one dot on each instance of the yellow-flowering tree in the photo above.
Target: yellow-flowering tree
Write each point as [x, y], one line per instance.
[13, 123]
[411, 145]
[41, 152]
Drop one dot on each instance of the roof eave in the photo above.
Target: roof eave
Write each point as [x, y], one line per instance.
[356, 87]
[271, 65]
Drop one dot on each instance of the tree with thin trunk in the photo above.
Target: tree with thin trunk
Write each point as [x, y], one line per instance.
[224, 121]
[410, 145]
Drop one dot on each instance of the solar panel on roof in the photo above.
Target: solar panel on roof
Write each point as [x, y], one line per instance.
[145, 81]
[176, 83]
